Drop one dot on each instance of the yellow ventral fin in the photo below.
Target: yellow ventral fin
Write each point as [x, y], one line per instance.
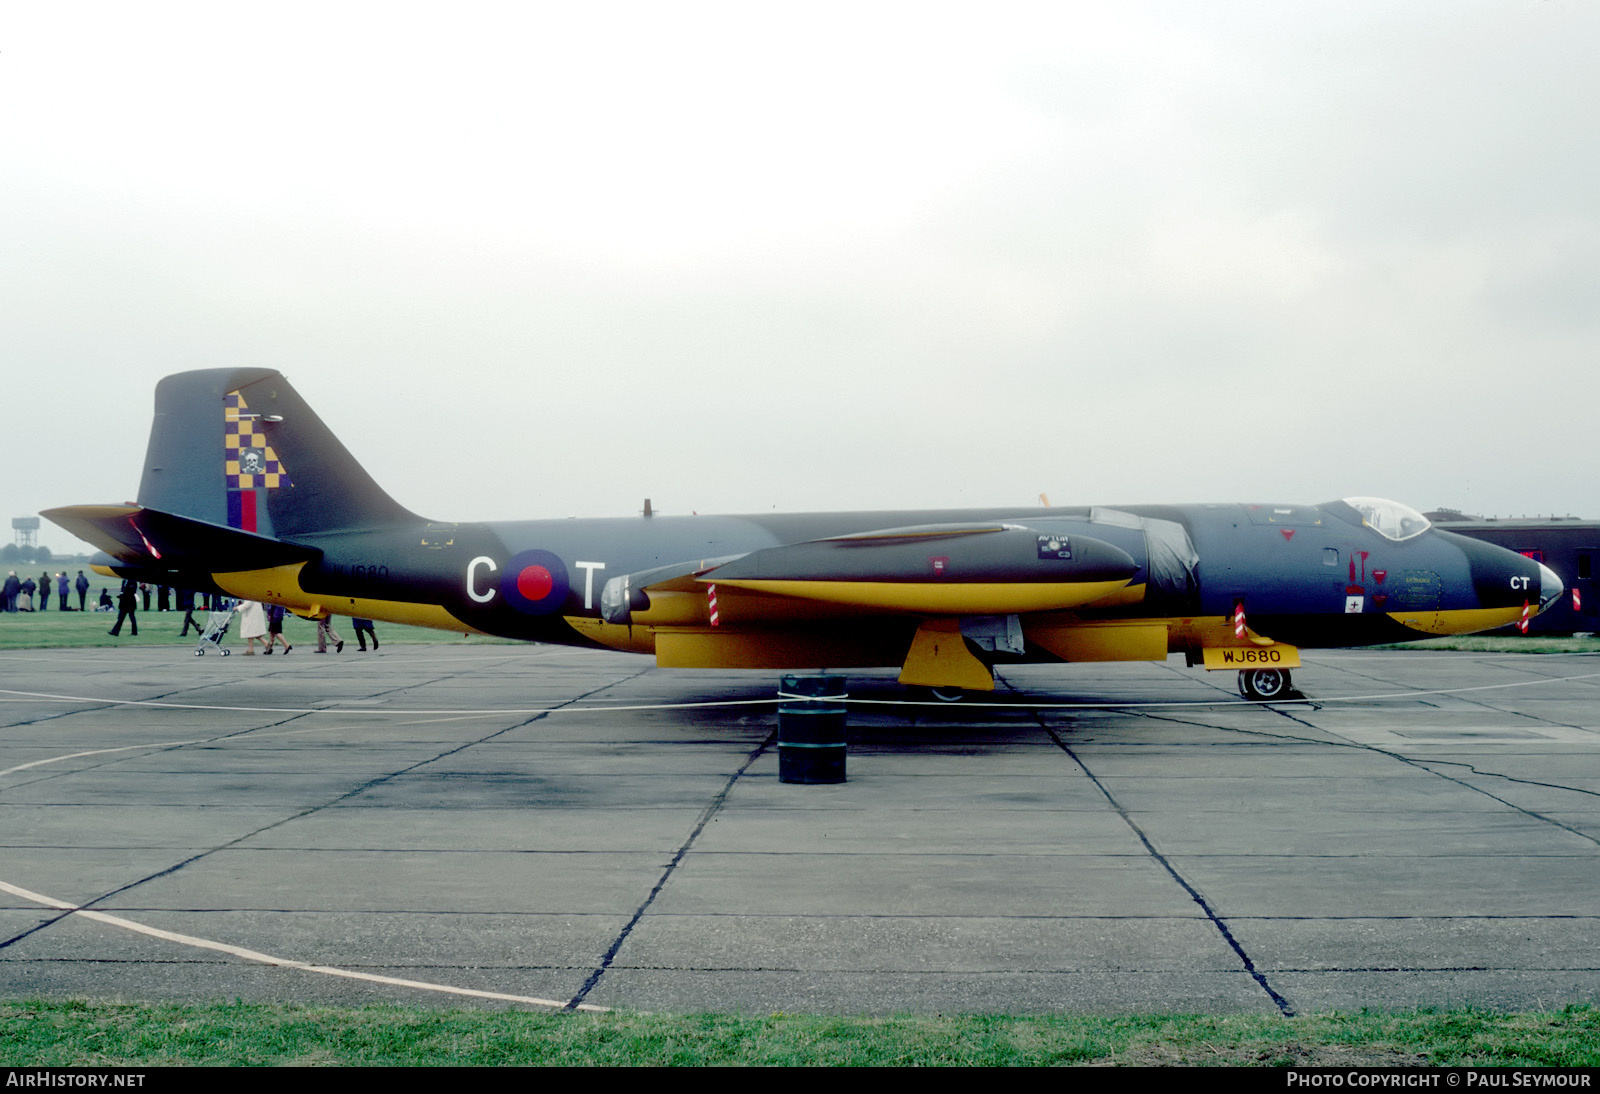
[939, 658]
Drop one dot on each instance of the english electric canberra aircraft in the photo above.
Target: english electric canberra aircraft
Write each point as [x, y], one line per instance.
[246, 492]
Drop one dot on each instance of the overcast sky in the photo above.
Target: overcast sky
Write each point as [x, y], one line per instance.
[541, 260]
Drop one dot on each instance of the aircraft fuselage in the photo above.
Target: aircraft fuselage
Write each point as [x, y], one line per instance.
[245, 491]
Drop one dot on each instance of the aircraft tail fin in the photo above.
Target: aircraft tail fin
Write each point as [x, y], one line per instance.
[240, 448]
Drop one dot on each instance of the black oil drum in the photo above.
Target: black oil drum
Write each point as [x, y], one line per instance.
[811, 731]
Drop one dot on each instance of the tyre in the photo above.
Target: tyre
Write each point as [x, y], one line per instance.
[1264, 685]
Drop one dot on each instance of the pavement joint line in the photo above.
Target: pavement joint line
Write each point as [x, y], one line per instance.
[1278, 1000]
[68, 714]
[269, 959]
[1283, 1005]
[710, 811]
[1481, 773]
[1422, 765]
[216, 739]
[1531, 814]
[86, 908]
[255, 732]
[1526, 715]
[1476, 950]
[102, 752]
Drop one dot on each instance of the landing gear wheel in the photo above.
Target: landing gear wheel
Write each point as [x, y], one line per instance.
[199, 653]
[948, 695]
[226, 653]
[1264, 685]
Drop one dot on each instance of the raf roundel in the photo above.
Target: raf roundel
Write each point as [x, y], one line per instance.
[534, 582]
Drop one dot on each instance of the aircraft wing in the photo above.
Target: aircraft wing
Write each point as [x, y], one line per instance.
[906, 594]
[936, 569]
[629, 593]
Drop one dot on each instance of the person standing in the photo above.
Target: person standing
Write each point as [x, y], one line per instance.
[82, 585]
[25, 595]
[127, 608]
[275, 614]
[62, 587]
[186, 606]
[364, 630]
[326, 633]
[253, 626]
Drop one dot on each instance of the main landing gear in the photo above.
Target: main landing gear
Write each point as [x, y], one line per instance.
[1264, 685]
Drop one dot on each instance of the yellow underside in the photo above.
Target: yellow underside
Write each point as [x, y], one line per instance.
[938, 598]
[694, 644]
[618, 636]
[1113, 640]
[1459, 621]
[939, 658]
[1210, 632]
[281, 585]
[786, 649]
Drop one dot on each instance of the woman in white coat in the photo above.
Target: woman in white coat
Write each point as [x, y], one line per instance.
[252, 625]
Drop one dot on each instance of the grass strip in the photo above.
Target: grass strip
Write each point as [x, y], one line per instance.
[108, 1034]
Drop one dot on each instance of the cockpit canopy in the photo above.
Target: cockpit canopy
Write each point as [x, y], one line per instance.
[1390, 519]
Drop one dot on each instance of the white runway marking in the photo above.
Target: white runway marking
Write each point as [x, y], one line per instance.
[281, 962]
[99, 752]
[268, 733]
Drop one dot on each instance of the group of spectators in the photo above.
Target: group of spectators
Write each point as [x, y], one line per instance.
[18, 592]
[132, 592]
[264, 623]
[258, 622]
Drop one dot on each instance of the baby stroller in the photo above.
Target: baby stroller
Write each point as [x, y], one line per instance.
[216, 628]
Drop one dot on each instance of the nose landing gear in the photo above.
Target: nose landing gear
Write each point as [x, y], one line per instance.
[1264, 685]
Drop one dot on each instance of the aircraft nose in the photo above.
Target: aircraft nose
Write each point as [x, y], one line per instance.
[1550, 586]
